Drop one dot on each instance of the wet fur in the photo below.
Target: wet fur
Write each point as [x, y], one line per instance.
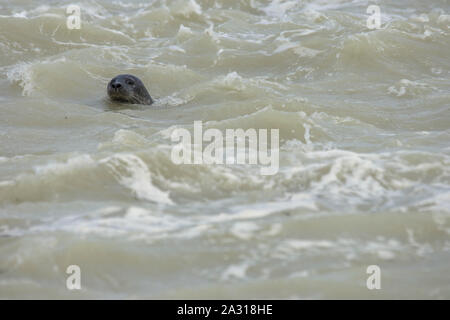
[136, 94]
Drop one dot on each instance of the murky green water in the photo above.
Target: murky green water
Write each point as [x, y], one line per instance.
[363, 118]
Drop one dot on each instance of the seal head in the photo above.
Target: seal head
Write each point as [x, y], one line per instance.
[129, 89]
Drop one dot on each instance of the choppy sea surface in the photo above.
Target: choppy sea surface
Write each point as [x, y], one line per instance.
[364, 126]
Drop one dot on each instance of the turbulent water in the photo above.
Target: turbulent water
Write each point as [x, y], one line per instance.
[363, 117]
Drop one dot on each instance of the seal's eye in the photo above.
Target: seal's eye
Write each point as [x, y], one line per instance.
[130, 82]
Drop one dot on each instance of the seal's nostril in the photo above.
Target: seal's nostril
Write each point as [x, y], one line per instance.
[116, 85]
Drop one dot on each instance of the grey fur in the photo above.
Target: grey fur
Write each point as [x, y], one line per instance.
[129, 89]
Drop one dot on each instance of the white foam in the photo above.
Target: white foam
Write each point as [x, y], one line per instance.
[6, 183]
[422, 249]
[186, 8]
[231, 81]
[184, 32]
[71, 165]
[22, 14]
[237, 271]
[407, 87]
[274, 230]
[193, 232]
[308, 244]
[278, 8]
[134, 174]
[176, 48]
[136, 224]
[22, 74]
[307, 134]
[386, 254]
[244, 214]
[285, 46]
[244, 230]
[129, 138]
[444, 19]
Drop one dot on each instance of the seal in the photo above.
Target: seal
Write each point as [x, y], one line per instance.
[129, 89]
